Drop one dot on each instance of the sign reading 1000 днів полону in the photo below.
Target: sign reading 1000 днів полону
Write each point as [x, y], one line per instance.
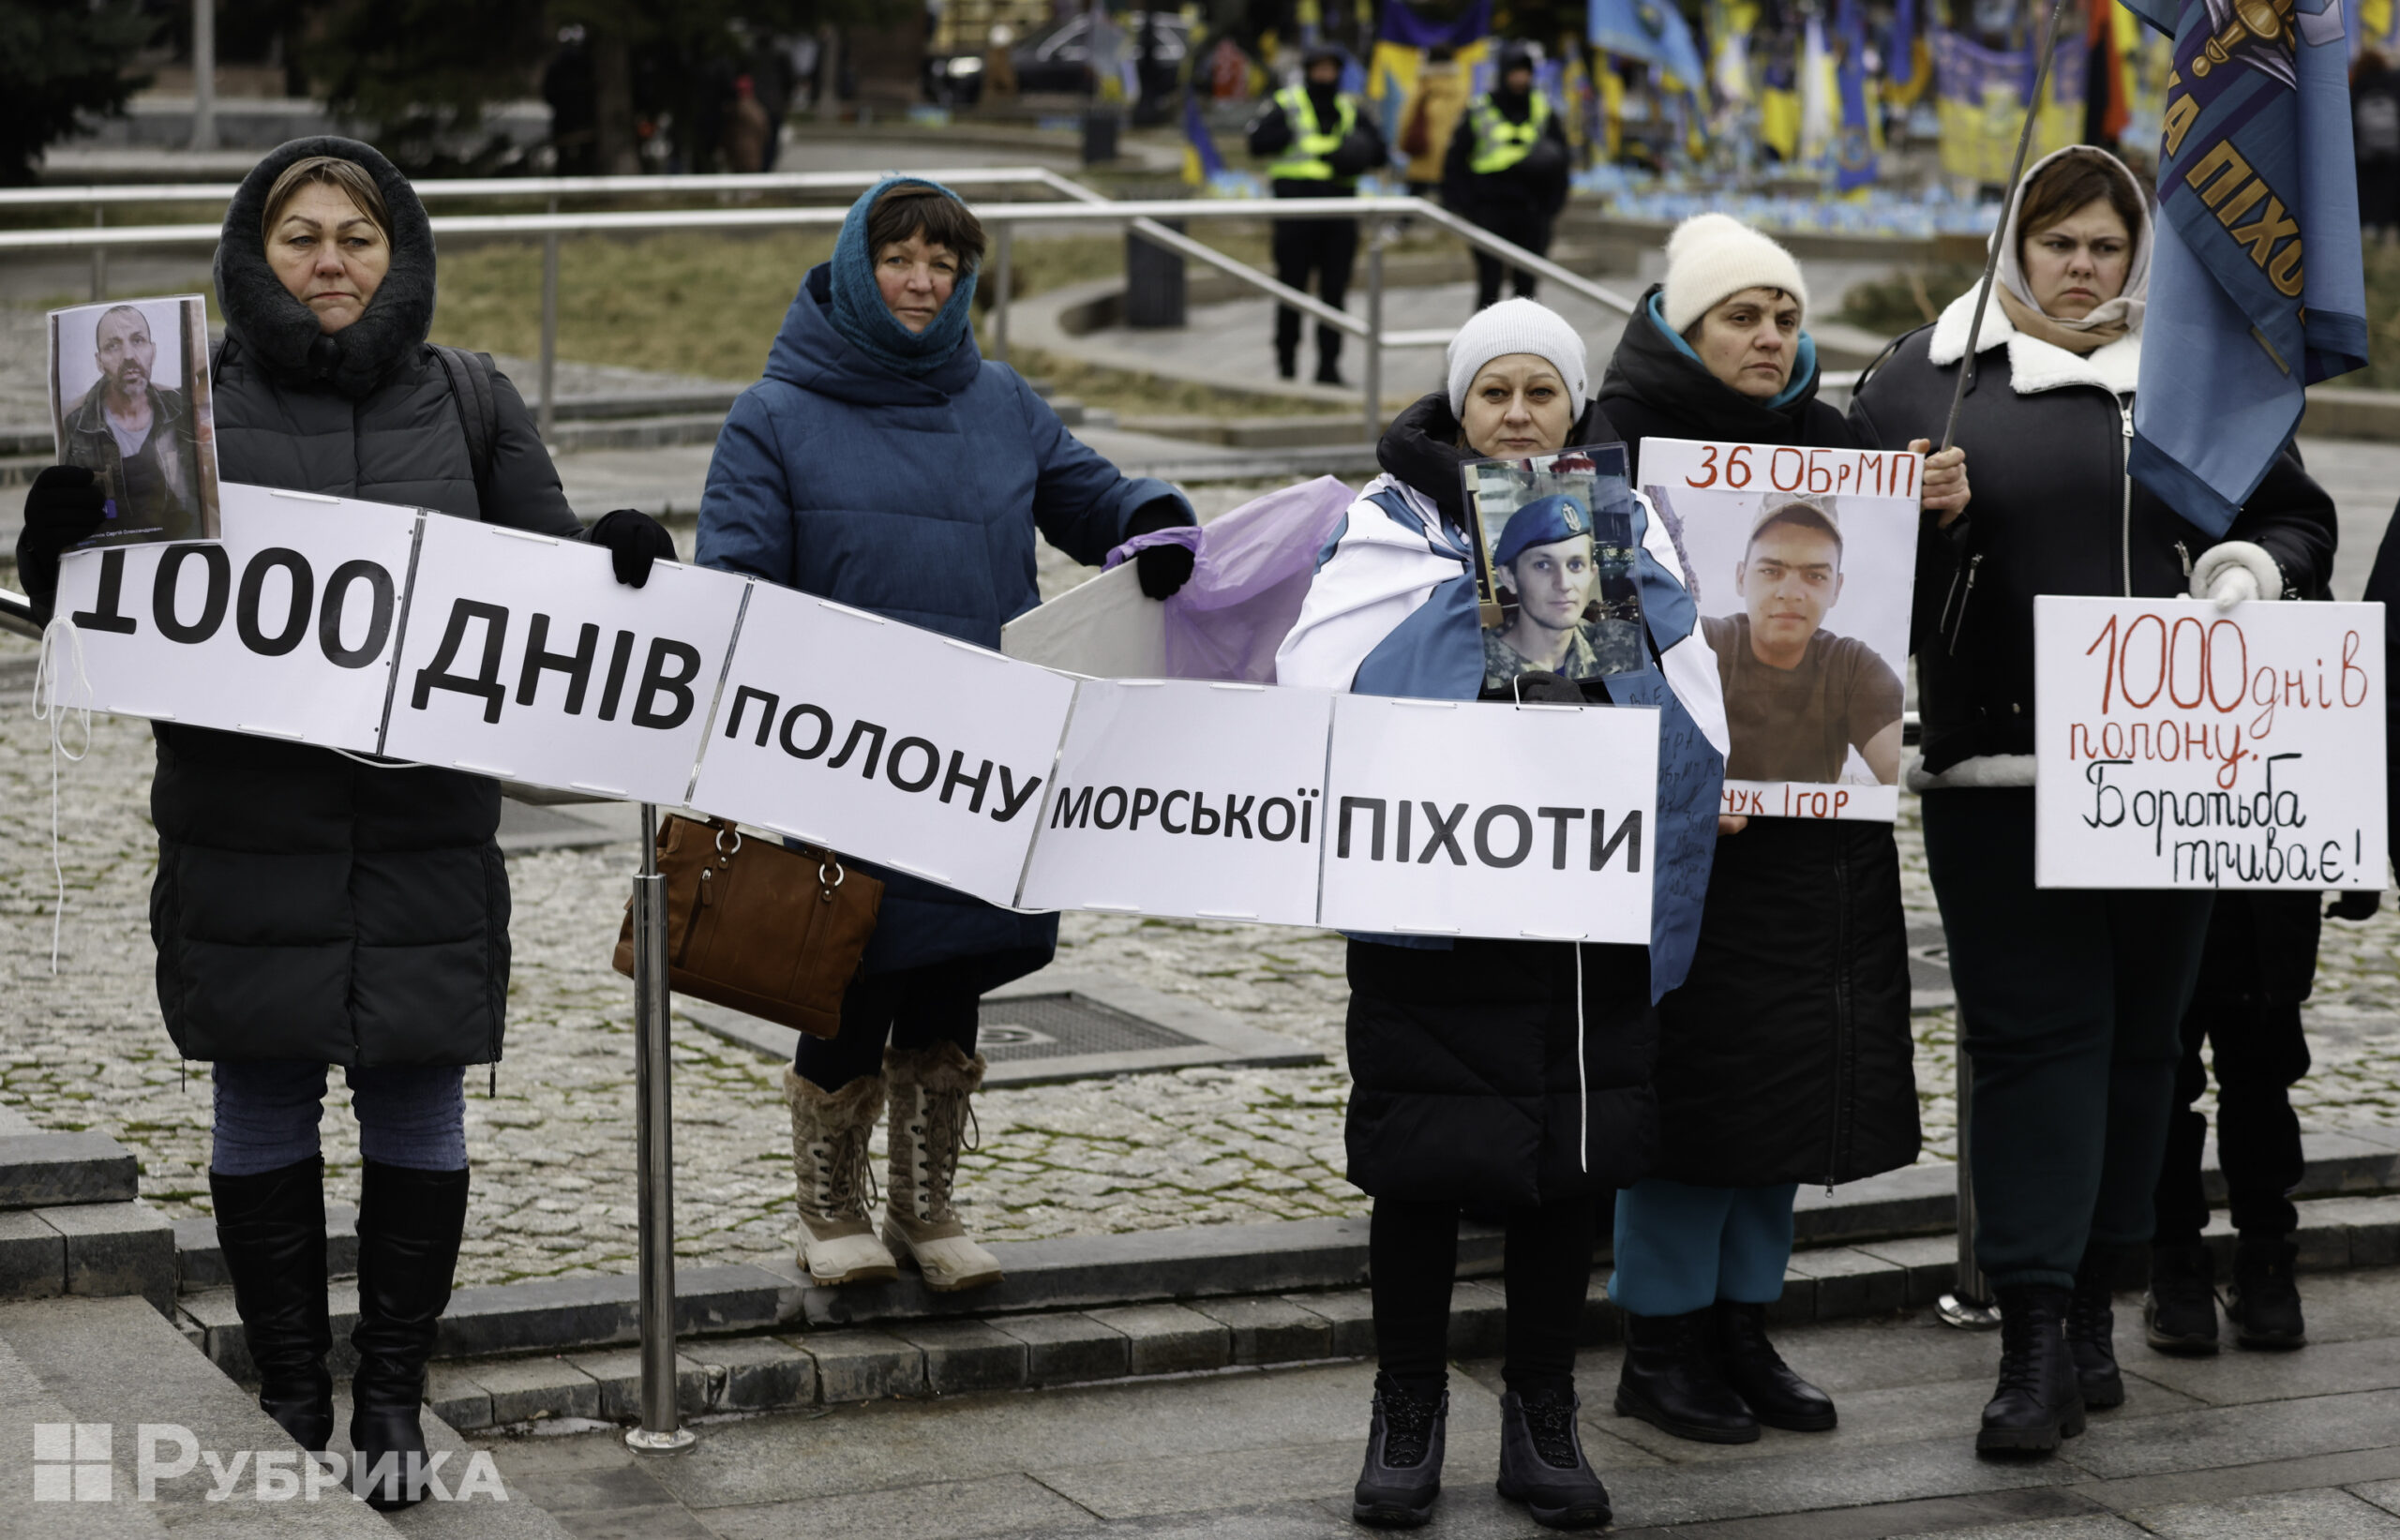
[2179, 745]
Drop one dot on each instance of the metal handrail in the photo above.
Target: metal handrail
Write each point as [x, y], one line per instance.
[535, 187]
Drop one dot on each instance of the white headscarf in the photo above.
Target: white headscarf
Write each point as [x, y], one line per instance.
[2126, 308]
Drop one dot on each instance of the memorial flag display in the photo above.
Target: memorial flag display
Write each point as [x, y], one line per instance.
[2179, 745]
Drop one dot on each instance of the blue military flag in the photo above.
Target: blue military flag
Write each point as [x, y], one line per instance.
[1854, 139]
[1653, 31]
[2257, 288]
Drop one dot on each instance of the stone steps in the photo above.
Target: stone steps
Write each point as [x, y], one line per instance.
[1006, 1350]
[96, 1370]
[71, 1222]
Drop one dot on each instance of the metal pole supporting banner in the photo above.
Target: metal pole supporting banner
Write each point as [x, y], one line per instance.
[550, 418]
[654, 1155]
[1969, 1304]
[1372, 371]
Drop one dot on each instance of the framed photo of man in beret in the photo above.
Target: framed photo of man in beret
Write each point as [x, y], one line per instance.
[1554, 548]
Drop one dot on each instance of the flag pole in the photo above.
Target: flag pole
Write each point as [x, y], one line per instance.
[1991, 257]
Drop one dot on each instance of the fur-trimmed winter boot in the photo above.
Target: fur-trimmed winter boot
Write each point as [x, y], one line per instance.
[830, 1130]
[930, 1090]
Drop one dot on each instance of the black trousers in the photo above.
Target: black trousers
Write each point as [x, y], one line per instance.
[2260, 1052]
[1327, 249]
[1527, 228]
[1413, 1259]
[911, 1007]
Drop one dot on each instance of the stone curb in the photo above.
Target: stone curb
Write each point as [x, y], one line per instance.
[1011, 1351]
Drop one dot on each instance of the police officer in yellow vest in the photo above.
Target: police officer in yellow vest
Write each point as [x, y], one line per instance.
[1506, 169]
[1320, 142]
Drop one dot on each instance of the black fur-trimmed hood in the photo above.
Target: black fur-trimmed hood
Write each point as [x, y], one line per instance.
[262, 316]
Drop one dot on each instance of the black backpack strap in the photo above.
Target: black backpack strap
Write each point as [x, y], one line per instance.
[478, 404]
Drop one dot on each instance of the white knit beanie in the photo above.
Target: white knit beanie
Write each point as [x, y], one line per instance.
[1518, 327]
[1713, 255]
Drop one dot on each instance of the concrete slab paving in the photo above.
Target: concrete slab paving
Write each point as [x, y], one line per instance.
[2322, 1515]
[947, 1510]
[2242, 1435]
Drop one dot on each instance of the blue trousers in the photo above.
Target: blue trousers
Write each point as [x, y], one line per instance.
[1681, 1248]
[267, 1115]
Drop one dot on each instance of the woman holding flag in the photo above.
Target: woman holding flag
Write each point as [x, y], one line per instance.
[2070, 1000]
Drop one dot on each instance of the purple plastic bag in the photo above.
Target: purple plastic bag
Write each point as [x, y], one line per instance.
[1251, 571]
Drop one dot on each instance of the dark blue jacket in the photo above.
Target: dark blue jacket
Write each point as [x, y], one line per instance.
[918, 499]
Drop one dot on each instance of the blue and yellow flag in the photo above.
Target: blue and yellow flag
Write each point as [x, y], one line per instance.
[1858, 138]
[2256, 287]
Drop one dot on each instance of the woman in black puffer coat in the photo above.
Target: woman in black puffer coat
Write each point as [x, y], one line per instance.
[1785, 1057]
[311, 908]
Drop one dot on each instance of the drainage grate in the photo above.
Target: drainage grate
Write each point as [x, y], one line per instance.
[1052, 1026]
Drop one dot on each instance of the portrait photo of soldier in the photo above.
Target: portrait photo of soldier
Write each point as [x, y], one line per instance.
[1563, 582]
[1799, 697]
[129, 389]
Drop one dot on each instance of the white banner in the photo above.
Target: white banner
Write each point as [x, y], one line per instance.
[884, 742]
[285, 628]
[1178, 797]
[2179, 745]
[1448, 818]
[524, 658]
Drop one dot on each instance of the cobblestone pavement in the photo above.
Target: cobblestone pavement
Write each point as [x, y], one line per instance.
[554, 1145]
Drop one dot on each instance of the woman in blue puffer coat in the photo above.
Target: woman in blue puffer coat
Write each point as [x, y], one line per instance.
[882, 462]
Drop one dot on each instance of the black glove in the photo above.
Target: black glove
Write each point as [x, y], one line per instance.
[2356, 904]
[633, 540]
[1163, 569]
[62, 507]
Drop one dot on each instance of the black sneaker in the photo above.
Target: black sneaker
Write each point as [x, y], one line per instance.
[2179, 1313]
[1403, 1474]
[2264, 1302]
[1542, 1464]
[2092, 1332]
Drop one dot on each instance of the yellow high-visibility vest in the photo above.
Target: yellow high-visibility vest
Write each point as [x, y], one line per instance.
[1312, 143]
[1500, 143]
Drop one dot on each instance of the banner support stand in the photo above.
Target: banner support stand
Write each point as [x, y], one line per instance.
[661, 1430]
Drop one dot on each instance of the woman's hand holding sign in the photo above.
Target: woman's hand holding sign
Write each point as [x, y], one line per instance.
[1945, 481]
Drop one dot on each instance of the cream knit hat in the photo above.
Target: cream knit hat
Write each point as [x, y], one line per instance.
[1713, 255]
[1518, 327]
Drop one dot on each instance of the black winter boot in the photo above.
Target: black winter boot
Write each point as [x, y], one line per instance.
[1329, 369]
[1674, 1381]
[2179, 1313]
[1758, 1374]
[1403, 1474]
[2038, 1401]
[271, 1230]
[408, 1225]
[2092, 1331]
[2264, 1302]
[1542, 1464]
[1287, 361]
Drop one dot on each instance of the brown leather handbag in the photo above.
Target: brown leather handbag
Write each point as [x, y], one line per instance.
[765, 928]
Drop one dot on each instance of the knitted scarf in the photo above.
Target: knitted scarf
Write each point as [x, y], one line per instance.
[867, 323]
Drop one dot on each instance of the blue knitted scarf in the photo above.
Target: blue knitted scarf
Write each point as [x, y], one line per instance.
[867, 323]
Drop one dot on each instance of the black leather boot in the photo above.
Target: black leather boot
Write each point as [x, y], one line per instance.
[1542, 1464]
[408, 1225]
[2179, 1313]
[2038, 1401]
[2092, 1331]
[271, 1230]
[1758, 1374]
[1403, 1474]
[2264, 1302]
[1672, 1381]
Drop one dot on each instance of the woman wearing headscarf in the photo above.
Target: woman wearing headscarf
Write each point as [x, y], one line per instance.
[311, 908]
[2070, 1000]
[1508, 1075]
[882, 462]
[1786, 1057]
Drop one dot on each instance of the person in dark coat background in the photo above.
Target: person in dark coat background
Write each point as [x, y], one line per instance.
[1786, 1056]
[1506, 170]
[882, 462]
[2375, 140]
[312, 908]
[1321, 144]
[2071, 1000]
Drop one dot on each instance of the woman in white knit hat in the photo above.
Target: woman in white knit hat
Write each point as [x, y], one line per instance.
[1510, 1076]
[1786, 1057]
